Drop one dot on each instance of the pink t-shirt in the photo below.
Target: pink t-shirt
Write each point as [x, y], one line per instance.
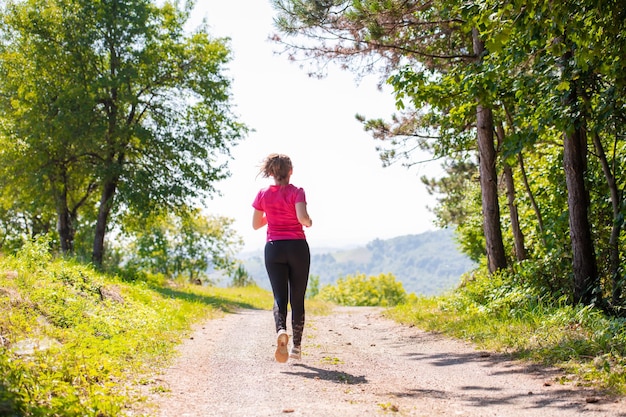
[279, 204]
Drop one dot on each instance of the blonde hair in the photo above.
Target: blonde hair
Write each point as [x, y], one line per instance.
[277, 166]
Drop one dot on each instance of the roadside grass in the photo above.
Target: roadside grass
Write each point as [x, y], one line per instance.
[589, 346]
[317, 307]
[71, 337]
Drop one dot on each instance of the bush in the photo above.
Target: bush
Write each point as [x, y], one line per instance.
[359, 290]
[241, 277]
[313, 289]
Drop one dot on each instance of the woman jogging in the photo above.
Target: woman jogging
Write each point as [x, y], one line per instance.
[282, 207]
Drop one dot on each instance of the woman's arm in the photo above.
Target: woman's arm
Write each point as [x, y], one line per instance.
[303, 214]
[258, 219]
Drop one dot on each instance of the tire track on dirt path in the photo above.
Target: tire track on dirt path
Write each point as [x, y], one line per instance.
[356, 363]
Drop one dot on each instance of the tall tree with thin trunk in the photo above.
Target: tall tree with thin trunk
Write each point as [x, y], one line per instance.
[507, 170]
[45, 109]
[420, 43]
[575, 166]
[496, 256]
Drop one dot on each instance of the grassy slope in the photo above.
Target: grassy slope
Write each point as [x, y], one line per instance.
[71, 338]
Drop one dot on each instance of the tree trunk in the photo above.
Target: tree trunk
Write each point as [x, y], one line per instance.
[529, 191]
[583, 254]
[496, 256]
[64, 220]
[518, 236]
[64, 228]
[616, 202]
[109, 186]
[575, 164]
[106, 202]
[531, 197]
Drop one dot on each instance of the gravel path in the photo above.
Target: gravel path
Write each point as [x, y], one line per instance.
[356, 363]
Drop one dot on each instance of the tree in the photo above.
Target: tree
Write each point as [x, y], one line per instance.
[241, 277]
[575, 164]
[136, 112]
[496, 258]
[45, 112]
[429, 46]
[518, 235]
[187, 244]
[313, 289]
[563, 56]
[561, 60]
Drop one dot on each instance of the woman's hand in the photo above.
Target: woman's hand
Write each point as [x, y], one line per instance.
[303, 215]
[258, 219]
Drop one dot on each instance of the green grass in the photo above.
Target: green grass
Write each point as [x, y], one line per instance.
[319, 307]
[71, 338]
[518, 321]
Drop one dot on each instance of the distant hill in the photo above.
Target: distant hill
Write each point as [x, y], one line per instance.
[426, 264]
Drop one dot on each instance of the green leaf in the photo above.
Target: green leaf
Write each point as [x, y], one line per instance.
[563, 86]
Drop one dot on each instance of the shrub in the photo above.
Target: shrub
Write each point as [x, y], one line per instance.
[313, 289]
[359, 290]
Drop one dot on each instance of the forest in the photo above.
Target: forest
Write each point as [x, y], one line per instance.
[523, 102]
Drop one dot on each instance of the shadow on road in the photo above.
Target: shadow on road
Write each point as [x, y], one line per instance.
[485, 397]
[223, 304]
[575, 400]
[326, 375]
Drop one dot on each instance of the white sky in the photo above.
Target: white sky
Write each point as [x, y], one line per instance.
[351, 198]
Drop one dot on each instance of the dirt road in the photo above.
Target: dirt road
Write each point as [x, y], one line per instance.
[356, 363]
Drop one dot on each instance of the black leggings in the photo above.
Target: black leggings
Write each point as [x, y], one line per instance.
[287, 263]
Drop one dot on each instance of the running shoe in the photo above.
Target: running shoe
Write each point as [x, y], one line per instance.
[282, 340]
[295, 353]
